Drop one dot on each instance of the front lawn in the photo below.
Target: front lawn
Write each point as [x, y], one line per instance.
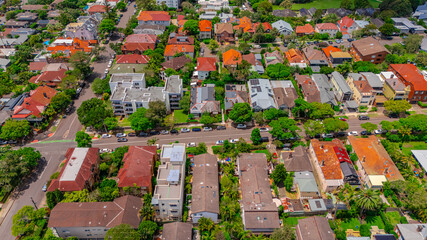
[325, 4]
[352, 223]
[265, 151]
[179, 116]
[374, 221]
[393, 217]
[407, 147]
[292, 221]
[124, 122]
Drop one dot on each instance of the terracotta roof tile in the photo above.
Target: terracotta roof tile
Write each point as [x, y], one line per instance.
[294, 56]
[206, 64]
[368, 46]
[231, 57]
[171, 50]
[37, 66]
[410, 73]
[35, 104]
[328, 50]
[132, 59]
[97, 9]
[326, 26]
[328, 159]
[138, 167]
[205, 26]
[176, 63]
[154, 16]
[306, 29]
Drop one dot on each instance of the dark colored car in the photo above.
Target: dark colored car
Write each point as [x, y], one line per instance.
[174, 131]
[341, 134]
[364, 117]
[131, 134]
[196, 129]
[143, 134]
[365, 133]
[221, 128]
[154, 132]
[264, 139]
[122, 140]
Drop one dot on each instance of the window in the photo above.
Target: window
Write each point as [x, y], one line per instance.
[379, 55]
[421, 93]
[373, 56]
[416, 92]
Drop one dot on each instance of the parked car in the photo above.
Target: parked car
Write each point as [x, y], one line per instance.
[341, 134]
[378, 131]
[354, 133]
[3, 142]
[221, 128]
[264, 129]
[196, 129]
[219, 142]
[143, 134]
[327, 135]
[12, 142]
[120, 135]
[241, 126]
[343, 119]
[154, 132]
[185, 130]
[264, 139]
[234, 140]
[192, 144]
[364, 133]
[174, 131]
[164, 132]
[104, 150]
[131, 134]
[122, 139]
[79, 90]
[207, 129]
[364, 117]
[105, 135]
[44, 188]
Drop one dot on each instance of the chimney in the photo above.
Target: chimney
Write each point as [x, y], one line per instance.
[361, 85]
[394, 83]
[364, 159]
[290, 155]
[44, 94]
[321, 146]
[386, 170]
[322, 163]
[419, 228]
[133, 68]
[392, 76]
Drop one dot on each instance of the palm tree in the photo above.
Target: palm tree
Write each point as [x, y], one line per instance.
[368, 200]
[152, 141]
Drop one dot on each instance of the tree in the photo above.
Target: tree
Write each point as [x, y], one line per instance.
[286, 4]
[107, 26]
[413, 43]
[274, 114]
[60, 101]
[326, 70]
[421, 59]
[184, 103]
[121, 6]
[100, 86]
[14, 129]
[241, 113]
[213, 44]
[192, 26]
[207, 119]
[278, 71]
[301, 108]
[256, 136]
[367, 200]
[386, 125]
[111, 123]
[264, 7]
[397, 106]
[369, 126]
[396, 8]
[388, 29]
[320, 110]
[259, 118]
[156, 112]
[279, 174]
[122, 231]
[284, 128]
[83, 139]
[313, 128]
[147, 229]
[26, 220]
[236, 11]
[139, 121]
[361, 4]
[331, 18]
[53, 198]
[283, 233]
[347, 4]
[205, 225]
[80, 61]
[93, 112]
[334, 125]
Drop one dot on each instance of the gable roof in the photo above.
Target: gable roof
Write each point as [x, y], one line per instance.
[309, 88]
[35, 104]
[207, 64]
[297, 160]
[306, 29]
[410, 73]
[176, 63]
[231, 57]
[132, 59]
[326, 26]
[284, 13]
[138, 166]
[77, 170]
[36, 66]
[51, 78]
[141, 38]
[154, 16]
[314, 228]
[327, 158]
[330, 49]
[97, 9]
[205, 26]
[345, 23]
[223, 27]
[374, 158]
[368, 46]
[123, 210]
[177, 231]
[173, 49]
[294, 56]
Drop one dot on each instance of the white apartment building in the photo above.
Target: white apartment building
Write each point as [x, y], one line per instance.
[169, 3]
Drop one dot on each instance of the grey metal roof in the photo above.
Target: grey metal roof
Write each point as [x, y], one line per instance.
[325, 89]
[261, 94]
[421, 157]
[306, 181]
[282, 26]
[342, 84]
[351, 104]
[373, 79]
[317, 205]
[410, 231]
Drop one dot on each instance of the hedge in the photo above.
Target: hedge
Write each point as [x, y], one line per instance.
[421, 104]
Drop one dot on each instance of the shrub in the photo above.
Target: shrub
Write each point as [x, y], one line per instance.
[364, 230]
[403, 220]
[54, 176]
[421, 104]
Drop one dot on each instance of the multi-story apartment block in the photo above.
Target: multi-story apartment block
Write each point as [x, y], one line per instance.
[363, 93]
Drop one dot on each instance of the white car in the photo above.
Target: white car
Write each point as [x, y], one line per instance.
[105, 150]
[185, 130]
[219, 142]
[207, 129]
[105, 135]
[192, 144]
[234, 140]
[378, 131]
[264, 129]
[354, 133]
[106, 71]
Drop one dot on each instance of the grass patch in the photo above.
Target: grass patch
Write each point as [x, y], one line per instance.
[373, 114]
[179, 116]
[352, 223]
[374, 221]
[265, 151]
[393, 217]
[124, 122]
[325, 4]
[53, 128]
[276, 7]
[292, 221]
[407, 147]
[411, 112]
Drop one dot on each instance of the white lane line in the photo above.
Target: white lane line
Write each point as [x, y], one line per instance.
[45, 167]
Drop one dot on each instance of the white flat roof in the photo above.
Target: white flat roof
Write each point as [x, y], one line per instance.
[74, 164]
[421, 157]
[377, 180]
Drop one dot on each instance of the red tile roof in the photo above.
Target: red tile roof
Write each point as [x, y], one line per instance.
[265, 25]
[205, 26]
[328, 159]
[180, 17]
[410, 73]
[37, 66]
[138, 167]
[231, 57]
[328, 50]
[132, 59]
[35, 104]
[82, 174]
[294, 56]
[76, 46]
[206, 64]
[141, 38]
[51, 78]
[245, 24]
[306, 29]
[363, 86]
[327, 26]
[345, 23]
[97, 9]
[154, 16]
[171, 50]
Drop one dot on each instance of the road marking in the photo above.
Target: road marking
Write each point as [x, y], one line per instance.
[68, 131]
[45, 167]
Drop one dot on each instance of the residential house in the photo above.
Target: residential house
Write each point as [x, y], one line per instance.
[341, 88]
[224, 32]
[203, 100]
[82, 33]
[235, 94]
[245, 25]
[273, 58]
[6, 52]
[338, 58]
[259, 212]
[231, 58]
[211, 15]
[308, 88]
[377, 22]
[205, 29]
[373, 80]
[96, 9]
[303, 12]
[56, 67]
[172, 50]
[407, 26]
[284, 94]
[363, 93]
[169, 3]
[50, 78]
[26, 16]
[328, 28]
[34, 104]
[297, 160]
[315, 58]
[177, 231]
[80, 170]
[205, 65]
[4, 63]
[255, 61]
[307, 29]
[32, 7]
[36, 66]
[176, 63]
[128, 92]
[132, 59]
[62, 49]
[139, 43]
[411, 76]
[213, 5]
[368, 49]
[314, 228]
[16, 24]
[361, 23]
[179, 39]
[326, 158]
[394, 88]
[374, 162]
[168, 195]
[7, 43]
[284, 13]
[326, 91]
[330, 49]
[149, 29]
[261, 94]
[92, 220]
[347, 26]
[154, 18]
[368, 12]
[44, 23]
[205, 189]
[283, 27]
[295, 58]
[137, 170]
[417, 231]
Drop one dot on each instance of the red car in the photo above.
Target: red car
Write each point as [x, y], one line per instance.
[343, 119]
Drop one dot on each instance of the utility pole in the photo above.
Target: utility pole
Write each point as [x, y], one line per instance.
[35, 206]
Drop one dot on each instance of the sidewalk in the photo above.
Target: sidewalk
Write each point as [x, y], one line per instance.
[6, 208]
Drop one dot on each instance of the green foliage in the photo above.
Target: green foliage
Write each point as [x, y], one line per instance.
[80, 61]
[184, 103]
[256, 136]
[320, 110]
[156, 112]
[241, 113]
[363, 66]
[207, 119]
[284, 128]
[111, 123]
[93, 112]
[388, 29]
[274, 114]
[326, 70]
[76, 196]
[139, 121]
[200, 149]
[399, 8]
[192, 26]
[413, 43]
[283, 233]
[369, 126]
[27, 221]
[147, 229]
[83, 139]
[122, 231]
[279, 174]
[108, 190]
[60, 101]
[278, 71]
[334, 125]
[14, 129]
[313, 128]
[53, 198]
[364, 230]
[206, 225]
[100, 86]
[397, 106]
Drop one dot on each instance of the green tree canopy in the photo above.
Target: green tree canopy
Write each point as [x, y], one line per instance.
[122, 231]
[284, 128]
[279, 174]
[26, 220]
[278, 71]
[139, 121]
[14, 129]
[184, 103]
[388, 29]
[93, 112]
[207, 119]
[156, 112]
[369, 126]
[83, 139]
[192, 26]
[241, 113]
[334, 125]
[413, 43]
[283, 233]
[397, 106]
[100, 86]
[256, 136]
[60, 101]
[313, 128]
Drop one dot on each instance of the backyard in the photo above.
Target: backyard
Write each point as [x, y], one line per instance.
[292, 221]
[352, 223]
[407, 147]
[323, 4]
[179, 116]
